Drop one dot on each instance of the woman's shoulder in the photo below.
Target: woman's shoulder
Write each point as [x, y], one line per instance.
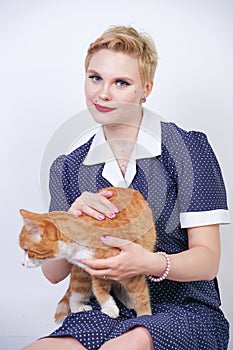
[72, 158]
[80, 151]
[171, 128]
[172, 135]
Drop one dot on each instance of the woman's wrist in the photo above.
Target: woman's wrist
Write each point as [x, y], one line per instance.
[158, 265]
[166, 270]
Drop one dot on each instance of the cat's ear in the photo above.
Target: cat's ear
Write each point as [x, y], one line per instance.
[27, 214]
[42, 222]
[27, 217]
[31, 225]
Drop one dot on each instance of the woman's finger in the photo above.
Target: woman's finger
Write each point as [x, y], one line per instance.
[100, 202]
[95, 205]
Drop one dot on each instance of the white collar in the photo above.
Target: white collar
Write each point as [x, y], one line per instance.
[148, 145]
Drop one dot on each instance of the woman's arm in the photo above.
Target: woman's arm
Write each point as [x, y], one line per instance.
[56, 270]
[199, 262]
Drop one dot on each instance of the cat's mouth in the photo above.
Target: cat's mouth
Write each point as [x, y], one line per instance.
[28, 262]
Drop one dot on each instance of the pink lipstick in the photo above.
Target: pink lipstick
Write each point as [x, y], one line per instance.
[103, 109]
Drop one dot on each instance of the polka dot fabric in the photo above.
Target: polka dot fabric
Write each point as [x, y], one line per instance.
[171, 327]
[185, 178]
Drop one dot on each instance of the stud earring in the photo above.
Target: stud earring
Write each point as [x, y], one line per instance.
[143, 100]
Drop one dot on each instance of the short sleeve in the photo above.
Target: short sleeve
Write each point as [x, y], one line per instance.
[201, 194]
[56, 186]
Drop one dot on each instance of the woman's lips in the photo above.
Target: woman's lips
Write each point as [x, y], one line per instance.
[103, 109]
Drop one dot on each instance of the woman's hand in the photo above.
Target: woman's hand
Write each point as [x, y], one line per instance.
[199, 262]
[95, 205]
[132, 260]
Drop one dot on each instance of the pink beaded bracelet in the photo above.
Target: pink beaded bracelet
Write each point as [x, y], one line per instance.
[166, 272]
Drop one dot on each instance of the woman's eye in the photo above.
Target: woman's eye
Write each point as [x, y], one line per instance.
[122, 83]
[95, 78]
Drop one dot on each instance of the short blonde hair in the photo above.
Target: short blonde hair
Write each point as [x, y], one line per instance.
[130, 41]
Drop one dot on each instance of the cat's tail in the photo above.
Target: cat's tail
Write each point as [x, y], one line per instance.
[63, 308]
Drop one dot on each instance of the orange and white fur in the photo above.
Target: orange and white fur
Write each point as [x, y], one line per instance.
[60, 234]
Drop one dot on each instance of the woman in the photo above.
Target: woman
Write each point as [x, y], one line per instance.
[178, 174]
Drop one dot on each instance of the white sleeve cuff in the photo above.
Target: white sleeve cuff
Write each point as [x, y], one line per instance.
[202, 218]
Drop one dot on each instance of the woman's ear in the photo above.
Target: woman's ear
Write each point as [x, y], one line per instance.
[148, 88]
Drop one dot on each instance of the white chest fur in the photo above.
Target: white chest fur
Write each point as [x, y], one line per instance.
[74, 251]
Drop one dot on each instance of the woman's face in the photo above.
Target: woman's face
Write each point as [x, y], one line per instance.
[113, 87]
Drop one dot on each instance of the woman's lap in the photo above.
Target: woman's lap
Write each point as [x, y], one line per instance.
[136, 339]
[188, 326]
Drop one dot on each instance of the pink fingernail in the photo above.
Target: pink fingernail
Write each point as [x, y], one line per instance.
[115, 210]
[78, 213]
[103, 238]
[111, 215]
[101, 217]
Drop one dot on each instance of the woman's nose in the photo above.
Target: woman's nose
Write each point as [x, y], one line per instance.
[105, 93]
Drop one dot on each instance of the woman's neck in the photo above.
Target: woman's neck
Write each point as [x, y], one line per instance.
[122, 138]
[127, 130]
[120, 132]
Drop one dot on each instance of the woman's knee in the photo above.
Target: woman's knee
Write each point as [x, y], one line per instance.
[143, 337]
[138, 338]
[59, 343]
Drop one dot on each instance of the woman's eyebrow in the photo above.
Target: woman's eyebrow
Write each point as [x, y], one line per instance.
[120, 77]
[92, 71]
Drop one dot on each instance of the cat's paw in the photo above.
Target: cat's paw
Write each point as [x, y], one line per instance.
[86, 308]
[81, 308]
[113, 312]
[110, 308]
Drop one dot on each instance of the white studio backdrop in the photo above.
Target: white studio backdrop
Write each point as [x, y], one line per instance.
[43, 45]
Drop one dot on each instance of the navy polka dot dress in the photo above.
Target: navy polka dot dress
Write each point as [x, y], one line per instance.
[183, 185]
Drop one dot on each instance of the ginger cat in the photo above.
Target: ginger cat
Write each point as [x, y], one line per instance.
[60, 234]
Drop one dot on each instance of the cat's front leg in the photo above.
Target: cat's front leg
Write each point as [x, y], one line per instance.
[78, 303]
[101, 289]
[80, 290]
